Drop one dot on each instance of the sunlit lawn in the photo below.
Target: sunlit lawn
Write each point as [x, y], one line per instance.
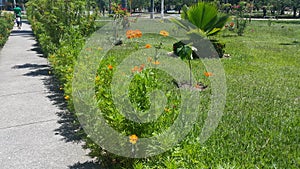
[261, 122]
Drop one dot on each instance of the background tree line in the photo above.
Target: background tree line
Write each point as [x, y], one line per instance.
[275, 6]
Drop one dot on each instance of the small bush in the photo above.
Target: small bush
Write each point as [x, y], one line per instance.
[6, 24]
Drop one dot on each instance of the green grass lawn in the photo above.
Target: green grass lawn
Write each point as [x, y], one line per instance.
[260, 127]
[261, 123]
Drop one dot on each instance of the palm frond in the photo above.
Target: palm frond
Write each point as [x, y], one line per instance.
[205, 17]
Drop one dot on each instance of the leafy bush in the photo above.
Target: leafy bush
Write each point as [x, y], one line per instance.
[240, 20]
[61, 28]
[144, 79]
[6, 24]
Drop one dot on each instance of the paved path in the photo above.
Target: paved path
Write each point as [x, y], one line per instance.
[35, 130]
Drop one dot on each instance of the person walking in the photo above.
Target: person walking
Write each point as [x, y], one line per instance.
[264, 12]
[18, 14]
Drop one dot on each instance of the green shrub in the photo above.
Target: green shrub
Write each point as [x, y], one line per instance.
[6, 24]
[143, 80]
[61, 29]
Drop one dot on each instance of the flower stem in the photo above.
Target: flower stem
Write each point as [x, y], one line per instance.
[190, 66]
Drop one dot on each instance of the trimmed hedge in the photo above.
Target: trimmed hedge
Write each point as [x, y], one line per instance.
[61, 29]
[6, 24]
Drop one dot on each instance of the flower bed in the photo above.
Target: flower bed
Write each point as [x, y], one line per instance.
[259, 128]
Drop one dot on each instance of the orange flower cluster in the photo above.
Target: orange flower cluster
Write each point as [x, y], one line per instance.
[133, 139]
[133, 34]
[147, 46]
[149, 59]
[164, 33]
[156, 62]
[138, 68]
[208, 74]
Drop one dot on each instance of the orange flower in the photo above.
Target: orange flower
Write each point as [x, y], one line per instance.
[133, 139]
[164, 33]
[138, 69]
[129, 34]
[156, 62]
[148, 46]
[231, 24]
[110, 67]
[208, 74]
[134, 69]
[67, 97]
[138, 33]
[133, 34]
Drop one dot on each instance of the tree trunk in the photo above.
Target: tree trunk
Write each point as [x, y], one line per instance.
[162, 9]
[109, 7]
[282, 11]
[294, 11]
[151, 9]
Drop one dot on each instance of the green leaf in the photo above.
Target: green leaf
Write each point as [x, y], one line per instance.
[205, 17]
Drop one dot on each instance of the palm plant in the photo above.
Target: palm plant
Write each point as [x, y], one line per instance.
[204, 20]
[205, 17]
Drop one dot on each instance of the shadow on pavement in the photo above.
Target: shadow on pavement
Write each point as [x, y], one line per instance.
[69, 127]
[30, 66]
[20, 32]
[86, 165]
[36, 48]
[36, 69]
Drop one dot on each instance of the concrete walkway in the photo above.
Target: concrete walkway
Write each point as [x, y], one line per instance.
[35, 129]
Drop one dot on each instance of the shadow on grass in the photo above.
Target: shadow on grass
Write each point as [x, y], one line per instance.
[292, 43]
[229, 35]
